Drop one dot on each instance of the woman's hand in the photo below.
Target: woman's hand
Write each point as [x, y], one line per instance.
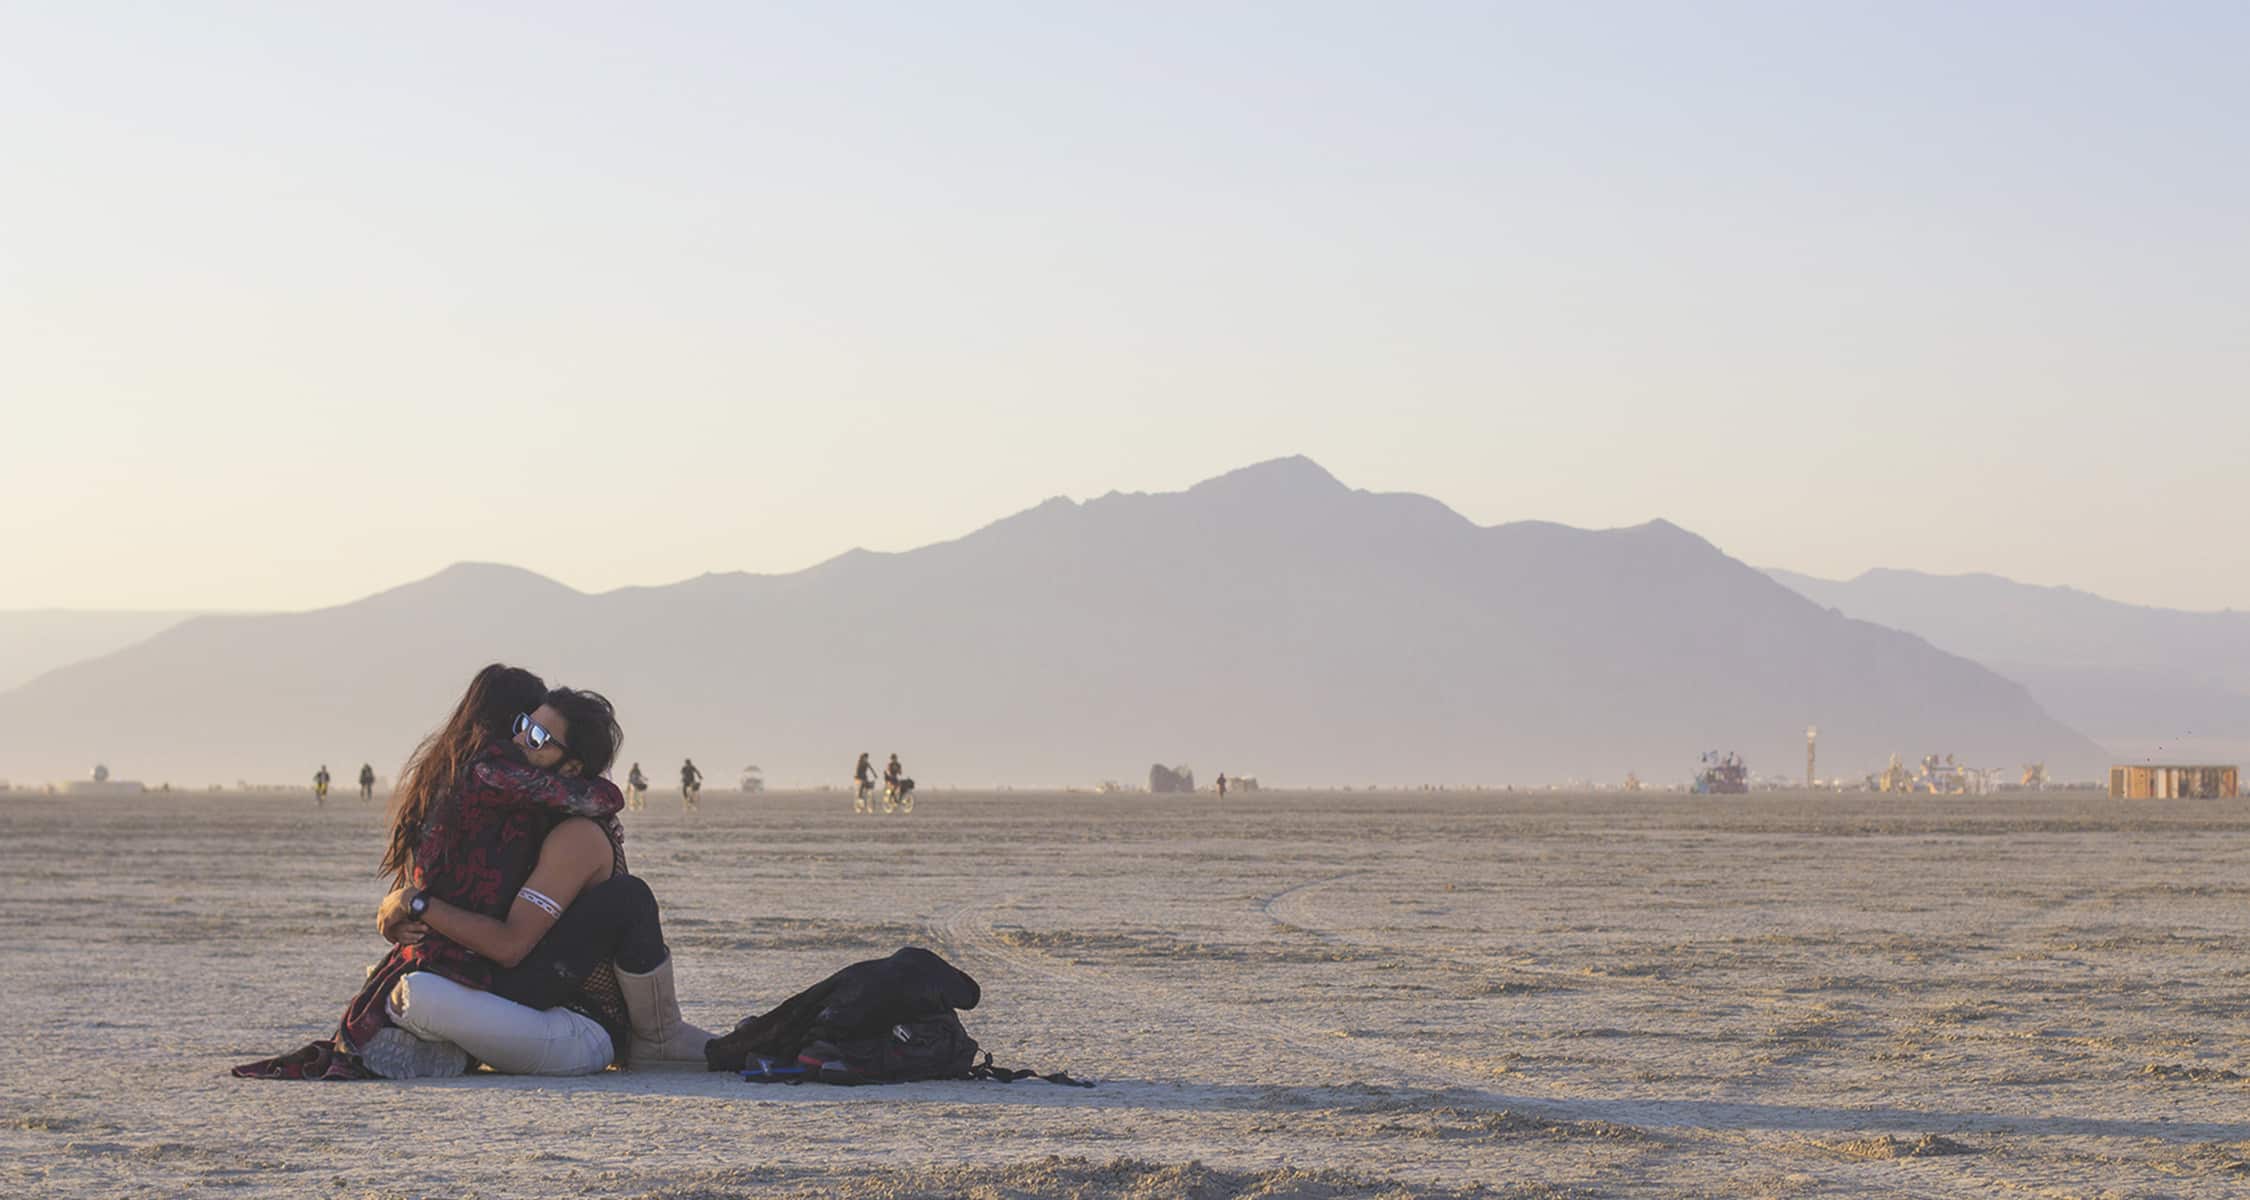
[394, 922]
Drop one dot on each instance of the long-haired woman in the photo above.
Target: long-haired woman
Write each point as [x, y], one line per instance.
[467, 822]
[582, 970]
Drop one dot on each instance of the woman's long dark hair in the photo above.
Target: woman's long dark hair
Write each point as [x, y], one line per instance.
[485, 714]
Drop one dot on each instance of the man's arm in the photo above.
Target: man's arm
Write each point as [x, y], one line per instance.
[573, 856]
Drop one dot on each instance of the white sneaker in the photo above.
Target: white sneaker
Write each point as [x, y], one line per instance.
[393, 1053]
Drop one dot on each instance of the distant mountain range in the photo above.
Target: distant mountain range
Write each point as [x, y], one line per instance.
[35, 641]
[2147, 683]
[1271, 621]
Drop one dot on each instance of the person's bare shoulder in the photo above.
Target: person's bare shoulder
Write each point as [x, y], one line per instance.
[577, 840]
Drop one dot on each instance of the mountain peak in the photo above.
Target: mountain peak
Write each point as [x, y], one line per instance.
[1293, 475]
[1664, 532]
[479, 580]
[490, 572]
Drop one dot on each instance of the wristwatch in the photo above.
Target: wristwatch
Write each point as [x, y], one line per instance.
[419, 905]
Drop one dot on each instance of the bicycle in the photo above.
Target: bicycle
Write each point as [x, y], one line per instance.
[898, 796]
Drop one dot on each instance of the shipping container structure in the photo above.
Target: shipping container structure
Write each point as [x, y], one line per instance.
[2172, 783]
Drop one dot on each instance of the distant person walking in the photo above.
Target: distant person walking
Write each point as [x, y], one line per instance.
[1222, 785]
[367, 781]
[320, 787]
[636, 789]
[691, 786]
[863, 774]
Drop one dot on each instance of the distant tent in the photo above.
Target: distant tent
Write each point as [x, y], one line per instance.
[1163, 779]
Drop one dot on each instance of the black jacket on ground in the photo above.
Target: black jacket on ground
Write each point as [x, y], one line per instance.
[862, 998]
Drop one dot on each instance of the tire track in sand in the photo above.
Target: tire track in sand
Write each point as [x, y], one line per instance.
[1291, 909]
[1283, 906]
[971, 931]
[972, 928]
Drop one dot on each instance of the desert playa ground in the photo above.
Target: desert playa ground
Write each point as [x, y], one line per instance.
[1282, 995]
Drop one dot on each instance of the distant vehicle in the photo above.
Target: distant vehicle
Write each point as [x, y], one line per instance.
[1894, 778]
[1163, 780]
[753, 779]
[1941, 777]
[1722, 775]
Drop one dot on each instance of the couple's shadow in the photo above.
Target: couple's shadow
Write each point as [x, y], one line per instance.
[1654, 1115]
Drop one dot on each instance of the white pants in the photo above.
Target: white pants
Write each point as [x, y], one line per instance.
[503, 1034]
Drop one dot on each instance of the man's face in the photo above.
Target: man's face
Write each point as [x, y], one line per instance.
[557, 748]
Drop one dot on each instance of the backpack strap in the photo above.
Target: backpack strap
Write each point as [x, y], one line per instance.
[985, 1070]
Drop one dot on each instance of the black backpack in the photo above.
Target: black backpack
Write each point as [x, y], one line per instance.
[886, 1020]
[932, 1047]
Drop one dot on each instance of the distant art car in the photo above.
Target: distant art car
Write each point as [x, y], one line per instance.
[1723, 775]
[1170, 781]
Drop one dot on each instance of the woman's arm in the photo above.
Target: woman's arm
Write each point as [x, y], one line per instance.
[575, 855]
[394, 922]
[499, 779]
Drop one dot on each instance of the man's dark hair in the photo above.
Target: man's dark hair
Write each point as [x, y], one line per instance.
[594, 733]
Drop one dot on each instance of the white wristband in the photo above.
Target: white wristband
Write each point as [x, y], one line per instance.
[544, 904]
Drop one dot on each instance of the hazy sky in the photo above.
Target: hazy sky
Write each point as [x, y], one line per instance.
[302, 301]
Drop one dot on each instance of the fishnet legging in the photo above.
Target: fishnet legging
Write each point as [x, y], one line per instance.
[599, 996]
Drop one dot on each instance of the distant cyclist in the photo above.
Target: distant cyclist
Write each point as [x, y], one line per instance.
[691, 786]
[367, 781]
[320, 786]
[863, 774]
[636, 789]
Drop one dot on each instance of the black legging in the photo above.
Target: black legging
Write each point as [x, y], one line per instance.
[613, 921]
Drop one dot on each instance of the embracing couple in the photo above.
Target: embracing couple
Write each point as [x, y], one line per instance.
[518, 937]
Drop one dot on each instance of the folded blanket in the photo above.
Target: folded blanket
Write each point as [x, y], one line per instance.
[313, 1060]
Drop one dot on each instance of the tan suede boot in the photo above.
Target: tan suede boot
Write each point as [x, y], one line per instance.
[659, 1035]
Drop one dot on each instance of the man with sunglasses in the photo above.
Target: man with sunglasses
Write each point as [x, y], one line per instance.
[579, 928]
[542, 748]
